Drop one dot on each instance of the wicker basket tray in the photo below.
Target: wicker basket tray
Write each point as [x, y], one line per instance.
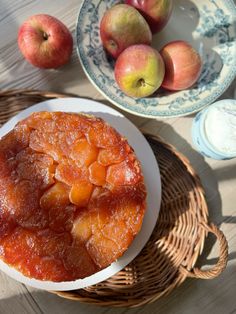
[177, 240]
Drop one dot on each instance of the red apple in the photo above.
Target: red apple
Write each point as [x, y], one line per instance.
[45, 41]
[139, 71]
[121, 27]
[182, 65]
[156, 12]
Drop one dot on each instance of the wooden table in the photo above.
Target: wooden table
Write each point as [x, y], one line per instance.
[218, 177]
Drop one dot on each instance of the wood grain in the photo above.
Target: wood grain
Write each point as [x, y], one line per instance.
[218, 177]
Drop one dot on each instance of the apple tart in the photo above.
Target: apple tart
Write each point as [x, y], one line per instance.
[72, 196]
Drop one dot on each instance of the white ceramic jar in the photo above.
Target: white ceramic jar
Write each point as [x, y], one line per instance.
[214, 130]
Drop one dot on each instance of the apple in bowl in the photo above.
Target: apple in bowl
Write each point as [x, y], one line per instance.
[182, 65]
[156, 12]
[45, 41]
[121, 27]
[139, 71]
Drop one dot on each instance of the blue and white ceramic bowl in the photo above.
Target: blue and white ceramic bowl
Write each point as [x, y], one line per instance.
[208, 25]
[199, 133]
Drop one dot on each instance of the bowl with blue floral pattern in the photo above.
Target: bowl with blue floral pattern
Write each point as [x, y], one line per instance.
[208, 25]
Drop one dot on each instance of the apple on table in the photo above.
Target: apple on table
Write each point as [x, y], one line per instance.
[45, 41]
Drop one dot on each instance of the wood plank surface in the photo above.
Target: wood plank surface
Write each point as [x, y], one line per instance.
[218, 177]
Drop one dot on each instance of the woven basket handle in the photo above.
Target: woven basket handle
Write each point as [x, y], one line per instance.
[223, 256]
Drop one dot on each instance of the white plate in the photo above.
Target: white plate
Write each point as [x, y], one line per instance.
[208, 25]
[150, 171]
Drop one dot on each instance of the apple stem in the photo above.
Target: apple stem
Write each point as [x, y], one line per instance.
[45, 36]
[112, 44]
[141, 82]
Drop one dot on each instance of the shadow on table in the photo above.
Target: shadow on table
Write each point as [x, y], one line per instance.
[193, 296]
[226, 172]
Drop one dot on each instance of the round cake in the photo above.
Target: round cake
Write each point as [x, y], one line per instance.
[72, 196]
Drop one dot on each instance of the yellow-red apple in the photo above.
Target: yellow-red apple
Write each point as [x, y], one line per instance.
[45, 41]
[121, 27]
[139, 71]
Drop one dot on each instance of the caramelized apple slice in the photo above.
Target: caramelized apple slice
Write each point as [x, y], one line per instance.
[117, 231]
[82, 226]
[51, 268]
[97, 174]
[39, 141]
[113, 155]
[89, 222]
[35, 167]
[132, 214]
[133, 193]
[102, 250]
[7, 168]
[29, 252]
[21, 200]
[14, 141]
[7, 225]
[102, 219]
[99, 197]
[103, 199]
[84, 153]
[40, 121]
[51, 243]
[102, 135]
[70, 122]
[37, 220]
[78, 262]
[63, 141]
[22, 249]
[80, 193]
[30, 156]
[124, 173]
[69, 173]
[55, 197]
[56, 122]
[19, 246]
[57, 144]
[61, 218]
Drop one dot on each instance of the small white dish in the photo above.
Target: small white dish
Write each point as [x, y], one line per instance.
[208, 25]
[213, 131]
[152, 180]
